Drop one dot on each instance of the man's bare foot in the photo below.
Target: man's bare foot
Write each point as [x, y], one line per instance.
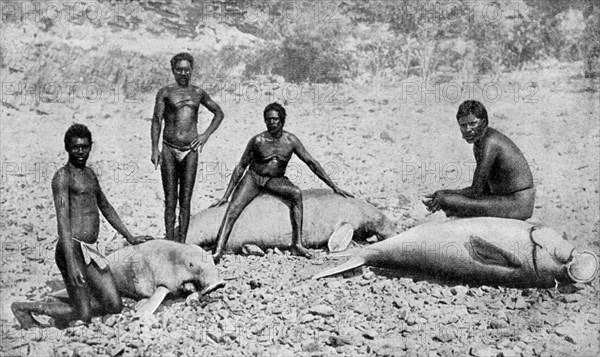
[300, 250]
[23, 316]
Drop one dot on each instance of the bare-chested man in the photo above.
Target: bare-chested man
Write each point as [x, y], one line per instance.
[77, 198]
[502, 183]
[178, 105]
[267, 155]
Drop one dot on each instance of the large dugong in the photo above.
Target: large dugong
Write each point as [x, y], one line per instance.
[484, 250]
[265, 222]
[159, 267]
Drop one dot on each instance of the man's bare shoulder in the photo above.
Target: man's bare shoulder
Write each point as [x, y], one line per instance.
[290, 137]
[199, 90]
[60, 177]
[495, 137]
[259, 137]
[166, 89]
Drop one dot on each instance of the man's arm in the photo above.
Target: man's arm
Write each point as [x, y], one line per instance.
[62, 204]
[236, 176]
[315, 167]
[485, 159]
[157, 117]
[113, 218]
[216, 121]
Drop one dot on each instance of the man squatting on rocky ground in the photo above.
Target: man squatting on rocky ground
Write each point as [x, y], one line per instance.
[266, 156]
[89, 282]
[502, 183]
[178, 105]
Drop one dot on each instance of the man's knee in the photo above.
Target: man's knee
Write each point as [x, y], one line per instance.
[522, 212]
[296, 195]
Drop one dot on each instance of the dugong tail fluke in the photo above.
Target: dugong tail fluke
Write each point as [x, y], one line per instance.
[353, 263]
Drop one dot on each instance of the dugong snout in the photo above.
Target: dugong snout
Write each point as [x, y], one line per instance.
[195, 266]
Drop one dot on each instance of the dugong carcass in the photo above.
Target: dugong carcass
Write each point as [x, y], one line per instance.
[484, 250]
[158, 267]
[265, 222]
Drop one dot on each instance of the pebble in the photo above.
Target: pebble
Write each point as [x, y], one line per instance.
[484, 352]
[370, 334]
[509, 353]
[310, 346]
[388, 347]
[322, 310]
[459, 290]
[406, 282]
[520, 303]
[307, 318]
[368, 275]
[372, 239]
[568, 333]
[571, 298]
[445, 335]
[41, 349]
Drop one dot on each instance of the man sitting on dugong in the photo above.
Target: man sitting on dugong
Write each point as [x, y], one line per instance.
[87, 276]
[266, 157]
[502, 183]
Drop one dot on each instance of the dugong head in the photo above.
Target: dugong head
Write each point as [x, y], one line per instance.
[193, 270]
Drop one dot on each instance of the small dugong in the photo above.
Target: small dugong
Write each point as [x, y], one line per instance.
[158, 267]
[484, 250]
[266, 223]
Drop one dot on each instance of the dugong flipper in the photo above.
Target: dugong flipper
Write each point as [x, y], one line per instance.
[485, 250]
[265, 222]
[160, 267]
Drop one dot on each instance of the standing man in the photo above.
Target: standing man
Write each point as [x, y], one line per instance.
[267, 155]
[502, 183]
[178, 105]
[77, 199]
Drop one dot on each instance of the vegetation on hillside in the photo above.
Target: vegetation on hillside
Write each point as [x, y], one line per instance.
[306, 41]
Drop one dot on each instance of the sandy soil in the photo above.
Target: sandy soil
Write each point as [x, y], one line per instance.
[385, 145]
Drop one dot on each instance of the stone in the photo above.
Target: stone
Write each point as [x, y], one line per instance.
[322, 310]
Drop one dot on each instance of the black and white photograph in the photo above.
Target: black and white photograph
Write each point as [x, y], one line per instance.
[300, 178]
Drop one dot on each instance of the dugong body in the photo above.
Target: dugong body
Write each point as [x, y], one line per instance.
[265, 222]
[139, 269]
[484, 250]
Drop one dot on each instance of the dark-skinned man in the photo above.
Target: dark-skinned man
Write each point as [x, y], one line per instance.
[502, 183]
[264, 162]
[177, 104]
[77, 199]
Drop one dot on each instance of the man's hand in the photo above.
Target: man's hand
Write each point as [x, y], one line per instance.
[342, 193]
[198, 143]
[139, 239]
[219, 203]
[156, 158]
[76, 275]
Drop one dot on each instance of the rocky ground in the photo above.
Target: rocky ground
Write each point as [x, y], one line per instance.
[389, 145]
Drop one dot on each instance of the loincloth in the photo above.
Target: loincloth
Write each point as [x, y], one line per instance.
[180, 152]
[91, 254]
[260, 180]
